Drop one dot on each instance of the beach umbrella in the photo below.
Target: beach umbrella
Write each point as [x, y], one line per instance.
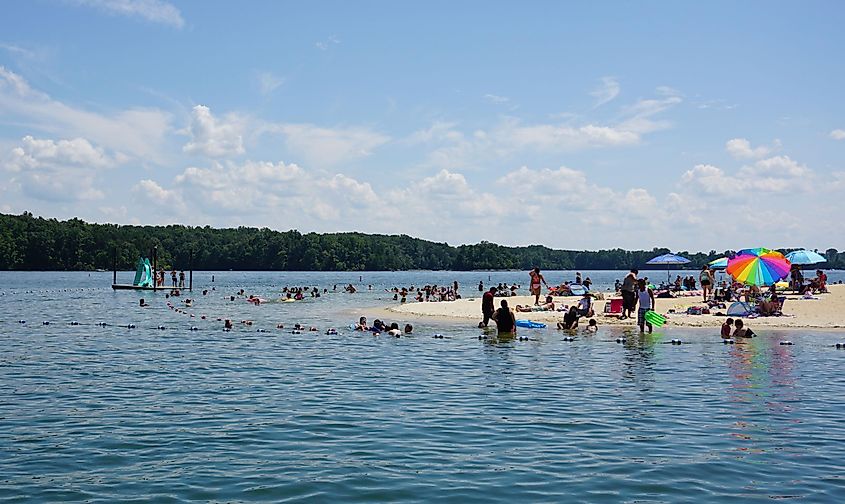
[720, 263]
[803, 257]
[668, 260]
[758, 266]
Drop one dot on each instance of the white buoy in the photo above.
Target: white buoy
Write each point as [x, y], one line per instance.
[21, 321]
[786, 343]
[728, 341]
[46, 322]
[74, 323]
[161, 328]
[130, 326]
[676, 342]
[194, 328]
[620, 340]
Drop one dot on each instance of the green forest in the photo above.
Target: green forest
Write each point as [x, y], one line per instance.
[35, 243]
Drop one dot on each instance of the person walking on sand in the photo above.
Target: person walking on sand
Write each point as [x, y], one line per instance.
[536, 281]
[629, 294]
[487, 307]
[505, 319]
[646, 300]
[706, 280]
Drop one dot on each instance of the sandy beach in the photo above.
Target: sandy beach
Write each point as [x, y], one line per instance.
[827, 311]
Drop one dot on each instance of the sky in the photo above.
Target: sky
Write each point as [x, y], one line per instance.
[580, 125]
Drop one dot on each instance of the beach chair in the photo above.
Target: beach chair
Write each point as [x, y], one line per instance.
[613, 308]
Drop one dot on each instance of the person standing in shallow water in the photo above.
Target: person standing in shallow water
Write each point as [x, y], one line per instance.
[505, 319]
[646, 300]
[536, 281]
[487, 307]
[629, 293]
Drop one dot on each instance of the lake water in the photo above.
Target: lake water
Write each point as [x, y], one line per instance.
[107, 414]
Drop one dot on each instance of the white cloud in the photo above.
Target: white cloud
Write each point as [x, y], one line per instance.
[268, 82]
[775, 175]
[212, 137]
[18, 51]
[64, 170]
[606, 92]
[330, 146]
[740, 148]
[837, 134]
[561, 137]
[138, 131]
[496, 99]
[324, 45]
[638, 117]
[149, 191]
[155, 11]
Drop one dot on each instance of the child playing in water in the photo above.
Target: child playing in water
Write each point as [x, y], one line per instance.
[592, 326]
[742, 332]
[727, 327]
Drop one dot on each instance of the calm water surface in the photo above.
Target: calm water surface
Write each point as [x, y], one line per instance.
[90, 413]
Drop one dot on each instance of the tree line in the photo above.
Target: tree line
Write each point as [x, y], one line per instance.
[35, 243]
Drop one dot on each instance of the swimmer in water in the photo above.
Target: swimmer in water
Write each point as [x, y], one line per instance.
[741, 331]
[727, 327]
[592, 325]
[142, 303]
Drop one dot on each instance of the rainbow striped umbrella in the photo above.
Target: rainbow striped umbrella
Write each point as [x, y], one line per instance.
[758, 266]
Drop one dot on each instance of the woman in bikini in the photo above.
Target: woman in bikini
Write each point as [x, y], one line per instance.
[536, 281]
[706, 279]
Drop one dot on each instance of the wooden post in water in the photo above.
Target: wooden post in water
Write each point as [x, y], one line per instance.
[114, 265]
[155, 267]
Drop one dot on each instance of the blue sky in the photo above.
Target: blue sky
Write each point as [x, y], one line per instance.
[577, 125]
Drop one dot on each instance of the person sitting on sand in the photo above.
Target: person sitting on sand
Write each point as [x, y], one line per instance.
[741, 331]
[585, 306]
[505, 319]
[570, 320]
[727, 327]
[592, 325]
[549, 305]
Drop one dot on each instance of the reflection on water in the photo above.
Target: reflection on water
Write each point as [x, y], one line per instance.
[110, 413]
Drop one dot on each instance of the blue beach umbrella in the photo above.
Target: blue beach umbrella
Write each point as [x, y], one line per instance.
[804, 257]
[668, 260]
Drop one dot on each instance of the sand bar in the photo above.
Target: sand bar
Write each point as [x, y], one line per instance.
[826, 311]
